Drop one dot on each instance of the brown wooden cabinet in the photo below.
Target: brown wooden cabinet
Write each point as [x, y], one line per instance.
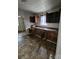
[48, 34]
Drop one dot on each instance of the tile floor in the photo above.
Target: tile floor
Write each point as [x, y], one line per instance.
[31, 47]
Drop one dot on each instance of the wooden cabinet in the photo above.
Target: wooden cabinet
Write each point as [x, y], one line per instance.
[48, 34]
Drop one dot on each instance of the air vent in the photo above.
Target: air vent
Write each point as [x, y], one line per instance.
[23, 0]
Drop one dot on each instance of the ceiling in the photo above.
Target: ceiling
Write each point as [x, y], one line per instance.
[38, 6]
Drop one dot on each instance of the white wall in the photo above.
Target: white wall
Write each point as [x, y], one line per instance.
[26, 15]
[58, 49]
[53, 25]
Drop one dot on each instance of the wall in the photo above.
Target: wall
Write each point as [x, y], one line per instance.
[26, 15]
[58, 49]
[53, 25]
[27, 22]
